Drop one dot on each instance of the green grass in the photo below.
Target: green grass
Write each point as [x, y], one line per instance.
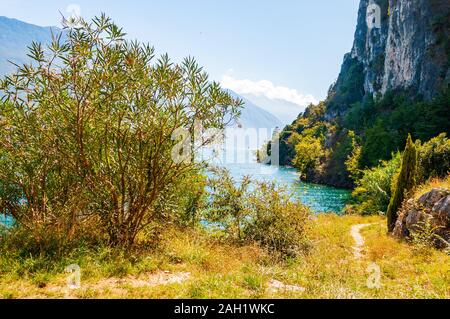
[221, 270]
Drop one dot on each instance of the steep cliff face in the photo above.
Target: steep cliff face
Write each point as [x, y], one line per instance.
[407, 50]
[401, 54]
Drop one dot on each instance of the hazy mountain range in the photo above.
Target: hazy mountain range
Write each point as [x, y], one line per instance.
[16, 36]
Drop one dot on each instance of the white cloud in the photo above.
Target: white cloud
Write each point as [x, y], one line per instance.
[267, 89]
[74, 10]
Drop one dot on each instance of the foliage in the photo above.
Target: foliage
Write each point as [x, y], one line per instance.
[307, 141]
[384, 123]
[308, 152]
[349, 88]
[87, 132]
[342, 145]
[249, 211]
[353, 159]
[228, 202]
[289, 136]
[425, 236]
[381, 125]
[373, 191]
[378, 145]
[434, 158]
[192, 195]
[403, 183]
[276, 222]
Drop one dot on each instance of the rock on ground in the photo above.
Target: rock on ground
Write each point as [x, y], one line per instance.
[433, 206]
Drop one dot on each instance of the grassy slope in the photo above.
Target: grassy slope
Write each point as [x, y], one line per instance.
[221, 271]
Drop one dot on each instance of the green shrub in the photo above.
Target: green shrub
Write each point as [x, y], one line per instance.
[249, 211]
[434, 158]
[276, 222]
[425, 236]
[96, 117]
[228, 202]
[373, 191]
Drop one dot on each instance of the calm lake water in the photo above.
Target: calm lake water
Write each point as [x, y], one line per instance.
[321, 199]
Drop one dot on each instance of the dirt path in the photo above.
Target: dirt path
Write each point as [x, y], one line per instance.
[118, 285]
[355, 232]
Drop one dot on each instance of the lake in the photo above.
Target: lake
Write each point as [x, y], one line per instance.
[319, 198]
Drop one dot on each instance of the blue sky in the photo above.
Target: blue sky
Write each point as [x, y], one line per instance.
[287, 50]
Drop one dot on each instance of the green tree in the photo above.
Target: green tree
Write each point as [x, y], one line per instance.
[403, 183]
[434, 158]
[308, 152]
[87, 131]
[353, 159]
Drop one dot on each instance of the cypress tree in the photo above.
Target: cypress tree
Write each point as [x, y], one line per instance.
[405, 182]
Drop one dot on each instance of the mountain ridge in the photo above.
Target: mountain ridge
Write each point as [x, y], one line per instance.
[15, 37]
[254, 116]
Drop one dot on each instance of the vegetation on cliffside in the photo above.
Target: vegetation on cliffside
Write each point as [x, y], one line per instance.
[372, 129]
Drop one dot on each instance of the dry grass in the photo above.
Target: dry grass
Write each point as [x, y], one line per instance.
[218, 270]
[433, 183]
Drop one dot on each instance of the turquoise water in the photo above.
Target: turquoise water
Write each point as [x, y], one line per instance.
[242, 162]
[319, 198]
[6, 220]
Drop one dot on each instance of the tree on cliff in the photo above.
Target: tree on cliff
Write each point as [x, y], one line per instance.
[404, 182]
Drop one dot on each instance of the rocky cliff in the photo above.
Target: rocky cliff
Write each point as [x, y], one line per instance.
[394, 82]
[399, 45]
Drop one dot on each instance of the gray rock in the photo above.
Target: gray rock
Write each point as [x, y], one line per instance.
[400, 230]
[433, 205]
[432, 197]
[441, 210]
[406, 52]
[413, 217]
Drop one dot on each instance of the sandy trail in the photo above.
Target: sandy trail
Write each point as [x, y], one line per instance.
[355, 232]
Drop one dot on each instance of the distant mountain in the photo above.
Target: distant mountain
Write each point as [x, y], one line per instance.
[283, 110]
[15, 37]
[253, 116]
